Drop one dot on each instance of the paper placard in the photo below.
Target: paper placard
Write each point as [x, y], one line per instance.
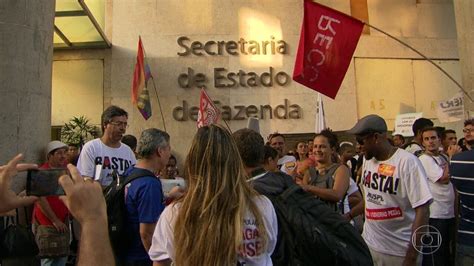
[404, 123]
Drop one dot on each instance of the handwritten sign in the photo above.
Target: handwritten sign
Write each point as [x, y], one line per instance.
[404, 122]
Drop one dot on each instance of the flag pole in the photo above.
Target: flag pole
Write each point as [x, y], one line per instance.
[230, 130]
[154, 87]
[422, 55]
[159, 104]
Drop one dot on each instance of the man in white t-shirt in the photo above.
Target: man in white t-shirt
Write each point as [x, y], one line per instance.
[396, 195]
[107, 153]
[442, 209]
[416, 146]
[286, 163]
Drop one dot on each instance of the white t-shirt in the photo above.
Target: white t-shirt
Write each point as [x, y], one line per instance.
[162, 242]
[442, 206]
[413, 147]
[392, 189]
[352, 189]
[96, 152]
[288, 164]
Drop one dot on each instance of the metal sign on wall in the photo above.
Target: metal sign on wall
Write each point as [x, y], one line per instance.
[225, 78]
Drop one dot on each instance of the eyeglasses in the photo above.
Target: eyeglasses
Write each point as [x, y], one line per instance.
[119, 124]
[467, 130]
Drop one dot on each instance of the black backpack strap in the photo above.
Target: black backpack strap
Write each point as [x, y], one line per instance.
[445, 157]
[419, 153]
[136, 173]
[409, 144]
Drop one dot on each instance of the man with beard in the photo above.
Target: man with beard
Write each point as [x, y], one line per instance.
[50, 211]
[107, 153]
[462, 176]
[396, 195]
[286, 163]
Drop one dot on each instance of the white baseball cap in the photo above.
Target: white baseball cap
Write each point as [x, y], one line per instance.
[54, 145]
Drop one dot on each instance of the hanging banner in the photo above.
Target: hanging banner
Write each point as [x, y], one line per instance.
[451, 110]
[404, 123]
[327, 42]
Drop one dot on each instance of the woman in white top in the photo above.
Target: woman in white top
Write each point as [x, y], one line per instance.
[220, 220]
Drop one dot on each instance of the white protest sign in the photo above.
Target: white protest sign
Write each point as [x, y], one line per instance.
[451, 110]
[404, 122]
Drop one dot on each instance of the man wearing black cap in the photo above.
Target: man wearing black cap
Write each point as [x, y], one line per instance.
[396, 195]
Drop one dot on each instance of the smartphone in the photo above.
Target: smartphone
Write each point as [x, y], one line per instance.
[45, 182]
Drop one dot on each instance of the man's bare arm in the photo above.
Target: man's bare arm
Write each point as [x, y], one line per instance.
[95, 246]
[146, 234]
[86, 203]
[46, 209]
[422, 214]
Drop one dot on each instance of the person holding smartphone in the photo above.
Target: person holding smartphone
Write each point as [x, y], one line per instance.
[84, 200]
[50, 212]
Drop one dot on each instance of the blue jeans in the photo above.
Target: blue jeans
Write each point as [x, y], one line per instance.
[465, 255]
[54, 261]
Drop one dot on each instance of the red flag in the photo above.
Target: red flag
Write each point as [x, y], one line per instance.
[208, 112]
[141, 74]
[327, 42]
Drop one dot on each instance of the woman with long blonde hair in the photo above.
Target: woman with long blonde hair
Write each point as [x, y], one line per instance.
[220, 220]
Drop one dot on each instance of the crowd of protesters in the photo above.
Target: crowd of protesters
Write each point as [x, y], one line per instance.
[399, 194]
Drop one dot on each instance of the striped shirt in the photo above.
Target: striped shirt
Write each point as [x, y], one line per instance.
[462, 176]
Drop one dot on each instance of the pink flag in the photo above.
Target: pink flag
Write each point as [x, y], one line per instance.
[327, 42]
[208, 112]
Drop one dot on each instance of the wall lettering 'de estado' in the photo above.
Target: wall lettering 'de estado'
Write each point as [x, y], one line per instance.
[225, 78]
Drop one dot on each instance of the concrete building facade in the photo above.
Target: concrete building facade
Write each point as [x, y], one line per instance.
[185, 43]
[26, 53]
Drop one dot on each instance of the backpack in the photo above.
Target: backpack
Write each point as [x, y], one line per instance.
[115, 200]
[311, 233]
[416, 153]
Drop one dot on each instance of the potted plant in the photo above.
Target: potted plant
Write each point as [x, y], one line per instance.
[78, 131]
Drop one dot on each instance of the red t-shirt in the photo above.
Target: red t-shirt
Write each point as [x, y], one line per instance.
[56, 204]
